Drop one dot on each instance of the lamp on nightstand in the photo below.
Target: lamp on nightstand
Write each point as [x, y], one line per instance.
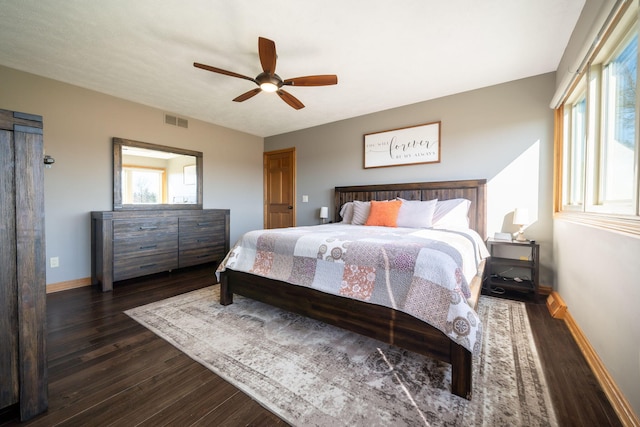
[324, 214]
[521, 218]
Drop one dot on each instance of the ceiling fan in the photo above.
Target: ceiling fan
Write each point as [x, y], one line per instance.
[269, 81]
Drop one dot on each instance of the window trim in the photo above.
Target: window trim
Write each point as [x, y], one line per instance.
[578, 95]
[623, 223]
[627, 225]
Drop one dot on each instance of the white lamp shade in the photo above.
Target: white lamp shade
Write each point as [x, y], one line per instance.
[521, 216]
[324, 212]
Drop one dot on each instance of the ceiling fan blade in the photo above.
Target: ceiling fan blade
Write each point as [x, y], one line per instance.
[267, 52]
[290, 99]
[221, 71]
[247, 95]
[321, 80]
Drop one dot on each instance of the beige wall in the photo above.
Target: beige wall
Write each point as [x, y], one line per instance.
[598, 277]
[78, 127]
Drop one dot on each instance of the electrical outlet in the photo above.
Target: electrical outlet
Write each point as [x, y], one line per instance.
[305, 198]
[54, 262]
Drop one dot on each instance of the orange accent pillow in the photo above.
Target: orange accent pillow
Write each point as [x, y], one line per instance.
[384, 213]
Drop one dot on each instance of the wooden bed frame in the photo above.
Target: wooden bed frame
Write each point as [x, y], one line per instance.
[382, 323]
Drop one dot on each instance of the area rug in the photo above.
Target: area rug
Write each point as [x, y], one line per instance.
[313, 374]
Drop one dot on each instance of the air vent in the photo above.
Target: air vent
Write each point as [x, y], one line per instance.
[176, 121]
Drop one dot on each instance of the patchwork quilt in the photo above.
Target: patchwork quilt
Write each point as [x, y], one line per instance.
[422, 272]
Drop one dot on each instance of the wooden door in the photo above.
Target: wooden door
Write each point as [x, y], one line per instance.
[280, 188]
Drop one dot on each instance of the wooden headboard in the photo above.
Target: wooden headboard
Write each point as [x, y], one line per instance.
[474, 190]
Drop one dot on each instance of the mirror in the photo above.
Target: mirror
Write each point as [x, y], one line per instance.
[151, 176]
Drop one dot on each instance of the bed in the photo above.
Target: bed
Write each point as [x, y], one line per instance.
[397, 326]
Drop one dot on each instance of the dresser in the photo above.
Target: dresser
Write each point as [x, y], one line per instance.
[23, 313]
[128, 244]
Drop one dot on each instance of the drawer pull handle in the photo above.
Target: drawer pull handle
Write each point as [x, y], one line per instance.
[203, 224]
[203, 256]
[149, 247]
[148, 227]
[202, 240]
[147, 265]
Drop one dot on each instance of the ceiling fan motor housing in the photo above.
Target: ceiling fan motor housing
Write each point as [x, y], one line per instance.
[266, 79]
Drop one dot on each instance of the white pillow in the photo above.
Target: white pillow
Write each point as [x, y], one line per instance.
[452, 213]
[346, 212]
[360, 212]
[416, 213]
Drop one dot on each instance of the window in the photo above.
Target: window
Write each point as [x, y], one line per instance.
[599, 140]
[143, 185]
[618, 150]
[575, 122]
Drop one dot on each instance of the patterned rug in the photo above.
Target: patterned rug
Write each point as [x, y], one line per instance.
[313, 374]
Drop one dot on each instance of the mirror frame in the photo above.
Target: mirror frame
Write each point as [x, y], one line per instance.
[118, 143]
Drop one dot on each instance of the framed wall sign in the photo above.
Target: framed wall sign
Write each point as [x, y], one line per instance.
[405, 146]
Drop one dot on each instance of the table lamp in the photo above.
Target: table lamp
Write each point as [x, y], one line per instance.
[521, 218]
[324, 213]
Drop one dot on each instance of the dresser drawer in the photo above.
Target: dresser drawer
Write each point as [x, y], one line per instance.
[126, 248]
[207, 223]
[145, 228]
[145, 236]
[201, 240]
[127, 267]
[189, 257]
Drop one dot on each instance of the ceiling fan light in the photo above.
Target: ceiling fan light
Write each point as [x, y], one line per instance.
[268, 87]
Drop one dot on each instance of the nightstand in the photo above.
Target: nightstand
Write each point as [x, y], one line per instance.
[513, 266]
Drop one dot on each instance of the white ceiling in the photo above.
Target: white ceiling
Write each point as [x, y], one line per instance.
[386, 54]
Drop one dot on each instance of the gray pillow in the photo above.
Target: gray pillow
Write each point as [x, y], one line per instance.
[360, 212]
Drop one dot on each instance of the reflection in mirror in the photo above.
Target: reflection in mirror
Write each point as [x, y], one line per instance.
[148, 176]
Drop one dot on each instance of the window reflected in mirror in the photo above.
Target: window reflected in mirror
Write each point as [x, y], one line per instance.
[150, 176]
[141, 185]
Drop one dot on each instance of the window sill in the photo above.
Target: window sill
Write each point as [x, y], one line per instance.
[626, 224]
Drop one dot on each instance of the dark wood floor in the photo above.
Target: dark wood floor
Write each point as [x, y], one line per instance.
[104, 368]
